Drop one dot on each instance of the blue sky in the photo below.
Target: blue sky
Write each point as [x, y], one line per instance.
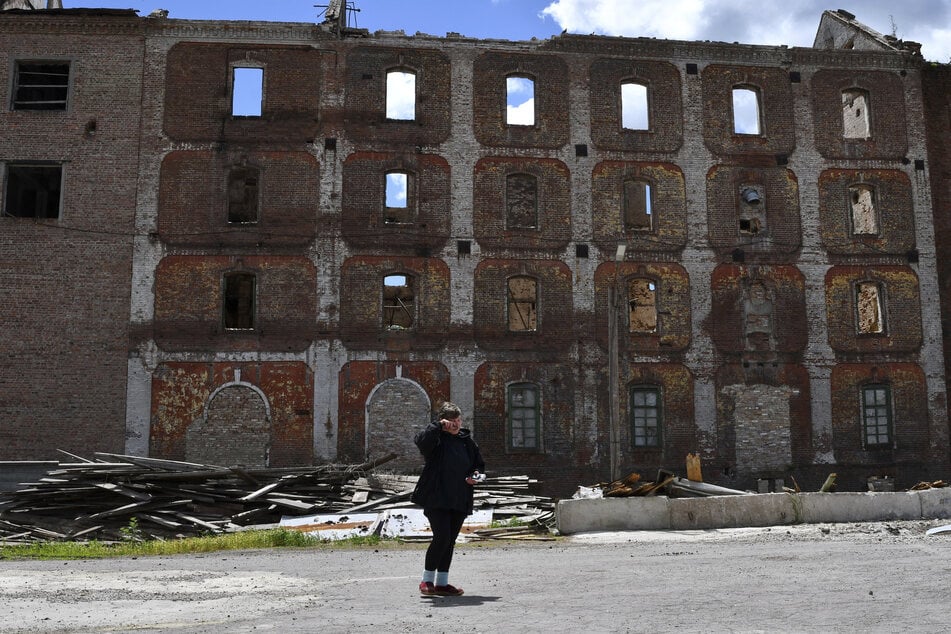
[792, 23]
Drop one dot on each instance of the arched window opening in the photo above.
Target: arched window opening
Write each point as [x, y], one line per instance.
[519, 100]
[524, 428]
[642, 306]
[521, 201]
[243, 188]
[645, 412]
[522, 304]
[862, 210]
[876, 415]
[869, 308]
[638, 206]
[634, 107]
[746, 111]
[398, 194]
[401, 95]
[247, 91]
[855, 114]
[399, 302]
[239, 301]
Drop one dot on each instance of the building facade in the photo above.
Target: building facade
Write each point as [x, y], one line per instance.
[684, 247]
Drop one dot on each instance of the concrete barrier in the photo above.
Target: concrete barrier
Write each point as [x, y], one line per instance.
[736, 511]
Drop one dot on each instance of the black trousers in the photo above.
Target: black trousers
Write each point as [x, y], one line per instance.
[445, 525]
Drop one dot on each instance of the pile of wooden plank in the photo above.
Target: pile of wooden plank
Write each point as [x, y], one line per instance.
[117, 497]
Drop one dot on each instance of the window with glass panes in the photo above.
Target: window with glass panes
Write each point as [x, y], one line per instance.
[645, 416]
[876, 415]
[523, 417]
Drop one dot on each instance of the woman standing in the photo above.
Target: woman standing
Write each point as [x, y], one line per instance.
[453, 466]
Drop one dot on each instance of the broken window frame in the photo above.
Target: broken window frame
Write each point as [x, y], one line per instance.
[639, 110]
[752, 214]
[239, 300]
[633, 304]
[736, 119]
[524, 420]
[398, 302]
[14, 172]
[852, 191]
[509, 195]
[849, 95]
[508, 109]
[520, 307]
[646, 418]
[879, 307]
[238, 98]
[406, 213]
[394, 109]
[245, 179]
[29, 94]
[875, 406]
[628, 207]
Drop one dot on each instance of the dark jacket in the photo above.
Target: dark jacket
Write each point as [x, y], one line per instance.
[449, 461]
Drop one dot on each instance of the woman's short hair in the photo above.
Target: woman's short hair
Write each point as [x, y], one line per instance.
[449, 411]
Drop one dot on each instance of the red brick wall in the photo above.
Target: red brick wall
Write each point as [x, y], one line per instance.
[193, 199]
[198, 93]
[180, 393]
[364, 201]
[189, 303]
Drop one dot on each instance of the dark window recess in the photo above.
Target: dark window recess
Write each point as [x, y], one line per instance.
[581, 150]
[691, 69]
[919, 164]
[330, 143]
[239, 301]
[33, 191]
[738, 256]
[243, 196]
[41, 86]
[794, 76]
[581, 251]
[782, 159]
[463, 247]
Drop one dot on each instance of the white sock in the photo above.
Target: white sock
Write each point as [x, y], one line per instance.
[429, 575]
[442, 578]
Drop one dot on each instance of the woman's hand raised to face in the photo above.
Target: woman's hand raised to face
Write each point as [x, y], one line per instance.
[451, 425]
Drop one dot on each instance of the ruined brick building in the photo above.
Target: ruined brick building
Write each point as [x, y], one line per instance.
[683, 247]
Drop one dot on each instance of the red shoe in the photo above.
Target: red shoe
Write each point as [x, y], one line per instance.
[447, 591]
[426, 588]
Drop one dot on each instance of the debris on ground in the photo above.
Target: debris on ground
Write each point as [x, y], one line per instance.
[117, 498]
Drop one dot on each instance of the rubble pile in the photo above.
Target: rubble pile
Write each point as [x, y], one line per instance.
[117, 497]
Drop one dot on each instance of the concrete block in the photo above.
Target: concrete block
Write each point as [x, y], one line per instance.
[612, 514]
[859, 507]
[732, 511]
[935, 503]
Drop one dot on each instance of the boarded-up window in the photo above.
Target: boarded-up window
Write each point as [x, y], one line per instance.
[398, 195]
[638, 206]
[522, 304]
[634, 111]
[862, 208]
[399, 302]
[869, 308]
[401, 95]
[746, 110]
[642, 303]
[524, 417]
[243, 195]
[41, 86]
[876, 415]
[855, 114]
[645, 416]
[519, 100]
[33, 191]
[521, 201]
[239, 301]
[247, 92]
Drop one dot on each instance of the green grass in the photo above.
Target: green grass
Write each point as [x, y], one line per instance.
[245, 540]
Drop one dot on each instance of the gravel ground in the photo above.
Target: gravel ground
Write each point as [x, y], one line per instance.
[870, 577]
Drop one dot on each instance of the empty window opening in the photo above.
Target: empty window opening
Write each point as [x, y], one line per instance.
[524, 419]
[642, 306]
[634, 112]
[519, 101]
[400, 95]
[33, 191]
[862, 207]
[247, 93]
[399, 302]
[239, 301]
[876, 415]
[746, 111]
[522, 304]
[869, 308]
[521, 201]
[752, 218]
[398, 209]
[243, 195]
[855, 114]
[638, 206]
[41, 86]
[645, 416]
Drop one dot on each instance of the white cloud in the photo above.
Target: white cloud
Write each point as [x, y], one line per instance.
[522, 114]
[400, 96]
